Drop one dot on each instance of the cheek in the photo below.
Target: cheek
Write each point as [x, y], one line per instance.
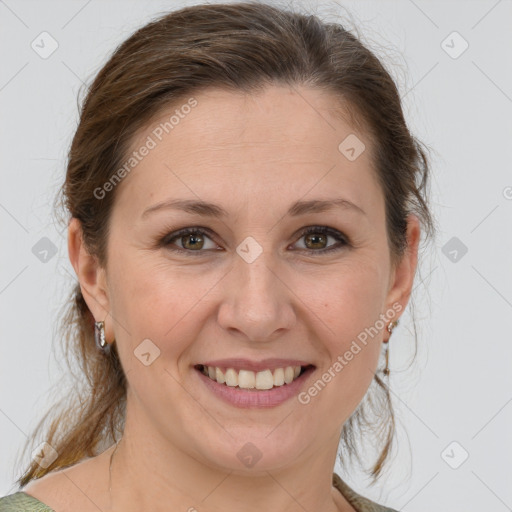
[347, 306]
[159, 301]
[347, 300]
[352, 348]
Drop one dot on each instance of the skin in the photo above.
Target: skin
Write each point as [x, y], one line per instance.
[254, 155]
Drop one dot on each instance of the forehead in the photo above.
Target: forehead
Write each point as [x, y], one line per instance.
[300, 118]
[280, 141]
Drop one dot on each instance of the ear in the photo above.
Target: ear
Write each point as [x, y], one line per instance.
[402, 276]
[92, 277]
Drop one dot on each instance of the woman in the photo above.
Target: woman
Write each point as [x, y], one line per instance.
[245, 207]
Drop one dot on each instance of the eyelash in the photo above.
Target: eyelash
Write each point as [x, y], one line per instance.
[166, 241]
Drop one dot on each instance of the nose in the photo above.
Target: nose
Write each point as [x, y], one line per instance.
[258, 303]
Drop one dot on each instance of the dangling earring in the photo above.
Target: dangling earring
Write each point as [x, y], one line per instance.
[99, 337]
[391, 326]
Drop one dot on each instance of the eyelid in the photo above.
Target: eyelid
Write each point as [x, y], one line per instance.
[341, 238]
[326, 230]
[165, 241]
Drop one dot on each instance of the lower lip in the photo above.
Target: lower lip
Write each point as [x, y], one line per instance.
[256, 398]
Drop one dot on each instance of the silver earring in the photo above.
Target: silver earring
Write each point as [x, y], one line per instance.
[99, 337]
[391, 326]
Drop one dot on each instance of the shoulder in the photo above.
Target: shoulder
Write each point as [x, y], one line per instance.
[22, 502]
[63, 490]
[360, 503]
[36, 496]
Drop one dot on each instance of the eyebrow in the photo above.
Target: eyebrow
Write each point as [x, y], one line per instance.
[212, 210]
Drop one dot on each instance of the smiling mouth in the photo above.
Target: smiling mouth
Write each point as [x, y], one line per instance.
[247, 379]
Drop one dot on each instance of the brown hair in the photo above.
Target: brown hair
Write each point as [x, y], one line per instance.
[241, 47]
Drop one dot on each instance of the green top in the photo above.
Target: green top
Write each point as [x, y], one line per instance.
[23, 502]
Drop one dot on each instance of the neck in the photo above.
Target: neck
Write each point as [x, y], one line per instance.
[150, 475]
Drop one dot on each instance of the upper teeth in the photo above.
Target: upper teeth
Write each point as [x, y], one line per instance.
[247, 379]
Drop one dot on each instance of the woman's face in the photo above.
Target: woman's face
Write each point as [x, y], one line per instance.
[250, 285]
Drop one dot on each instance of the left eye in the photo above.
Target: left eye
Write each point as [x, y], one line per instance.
[315, 240]
[316, 236]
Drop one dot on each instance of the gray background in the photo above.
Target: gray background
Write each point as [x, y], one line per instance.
[459, 389]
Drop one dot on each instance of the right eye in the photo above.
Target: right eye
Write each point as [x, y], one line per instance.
[191, 239]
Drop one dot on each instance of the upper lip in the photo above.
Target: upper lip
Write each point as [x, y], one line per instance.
[256, 366]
